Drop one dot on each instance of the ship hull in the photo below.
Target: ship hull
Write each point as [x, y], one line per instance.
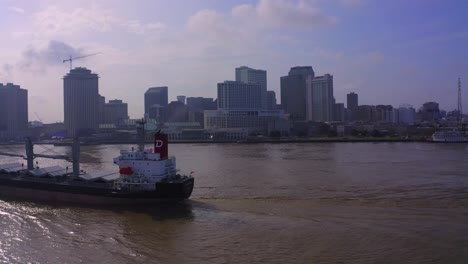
[55, 193]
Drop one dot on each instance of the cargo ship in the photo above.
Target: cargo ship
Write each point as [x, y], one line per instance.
[142, 176]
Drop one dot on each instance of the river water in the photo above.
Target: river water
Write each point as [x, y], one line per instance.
[264, 203]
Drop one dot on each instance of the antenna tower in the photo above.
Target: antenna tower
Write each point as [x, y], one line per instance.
[460, 110]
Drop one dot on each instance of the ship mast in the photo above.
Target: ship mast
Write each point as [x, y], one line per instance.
[75, 158]
[141, 134]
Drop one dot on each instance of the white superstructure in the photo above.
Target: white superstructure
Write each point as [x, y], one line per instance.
[450, 135]
[145, 165]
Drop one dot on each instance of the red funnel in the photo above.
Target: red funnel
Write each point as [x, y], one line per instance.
[160, 145]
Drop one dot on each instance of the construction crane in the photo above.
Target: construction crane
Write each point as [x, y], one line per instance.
[80, 57]
[40, 119]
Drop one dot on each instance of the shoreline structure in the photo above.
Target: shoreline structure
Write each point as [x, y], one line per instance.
[260, 141]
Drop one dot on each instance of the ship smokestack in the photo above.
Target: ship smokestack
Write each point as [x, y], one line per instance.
[160, 145]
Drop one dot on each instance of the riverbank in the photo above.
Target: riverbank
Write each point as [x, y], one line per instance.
[246, 141]
[249, 141]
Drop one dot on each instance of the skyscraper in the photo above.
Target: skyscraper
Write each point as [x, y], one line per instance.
[176, 112]
[429, 112]
[239, 96]
[271, 100]
[201, 103]
[156, 96]
[406, 114]
[293, 91]
[339, 112]
[352, 101]
[101, 105]
[253, 76]
[81, 100]
[115, 112]
[181, 98]
[242, 105]
[353, 106]
[319, 98]
[196, 107]
[13, 110]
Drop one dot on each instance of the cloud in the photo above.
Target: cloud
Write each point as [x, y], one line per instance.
[16, 9]
[53, 54]
[55, 21]
[248, 29]
[137, 27]
[6, 73]
[283, 14]
[38, 59]
[216, 34]
[83, 23]
[208, 21]
[244, 12]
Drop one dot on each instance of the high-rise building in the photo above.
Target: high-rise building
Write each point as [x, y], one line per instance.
[101, 105]
[293, 91]
[429, 112]
[13, 110]
[181, 98]
[115, 112]
[176, 112]
[386, 114]
[257, 121]
[271, 100]
[352, 101]
[196, 106]
[156, 96]
[253, 76]
[366, 113]
[239, 96]
[201, 103]
[81, 102]
[242, 104]
[319, 99]
[406, 114]
[339, 112]
[352, 106]
[157, 112]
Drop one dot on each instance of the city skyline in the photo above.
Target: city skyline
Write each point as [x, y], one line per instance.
[361, 43]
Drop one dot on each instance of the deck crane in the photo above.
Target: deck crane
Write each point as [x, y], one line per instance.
[71, 59]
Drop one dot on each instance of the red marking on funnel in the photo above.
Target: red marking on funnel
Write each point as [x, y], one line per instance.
[160, 145]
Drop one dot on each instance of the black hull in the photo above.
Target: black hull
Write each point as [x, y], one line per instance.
[69, 193]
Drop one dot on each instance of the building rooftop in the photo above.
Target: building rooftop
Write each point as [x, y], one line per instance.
[156, 89]
[81, 72]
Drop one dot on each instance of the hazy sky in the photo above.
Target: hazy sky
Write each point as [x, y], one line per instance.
[388, 51]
